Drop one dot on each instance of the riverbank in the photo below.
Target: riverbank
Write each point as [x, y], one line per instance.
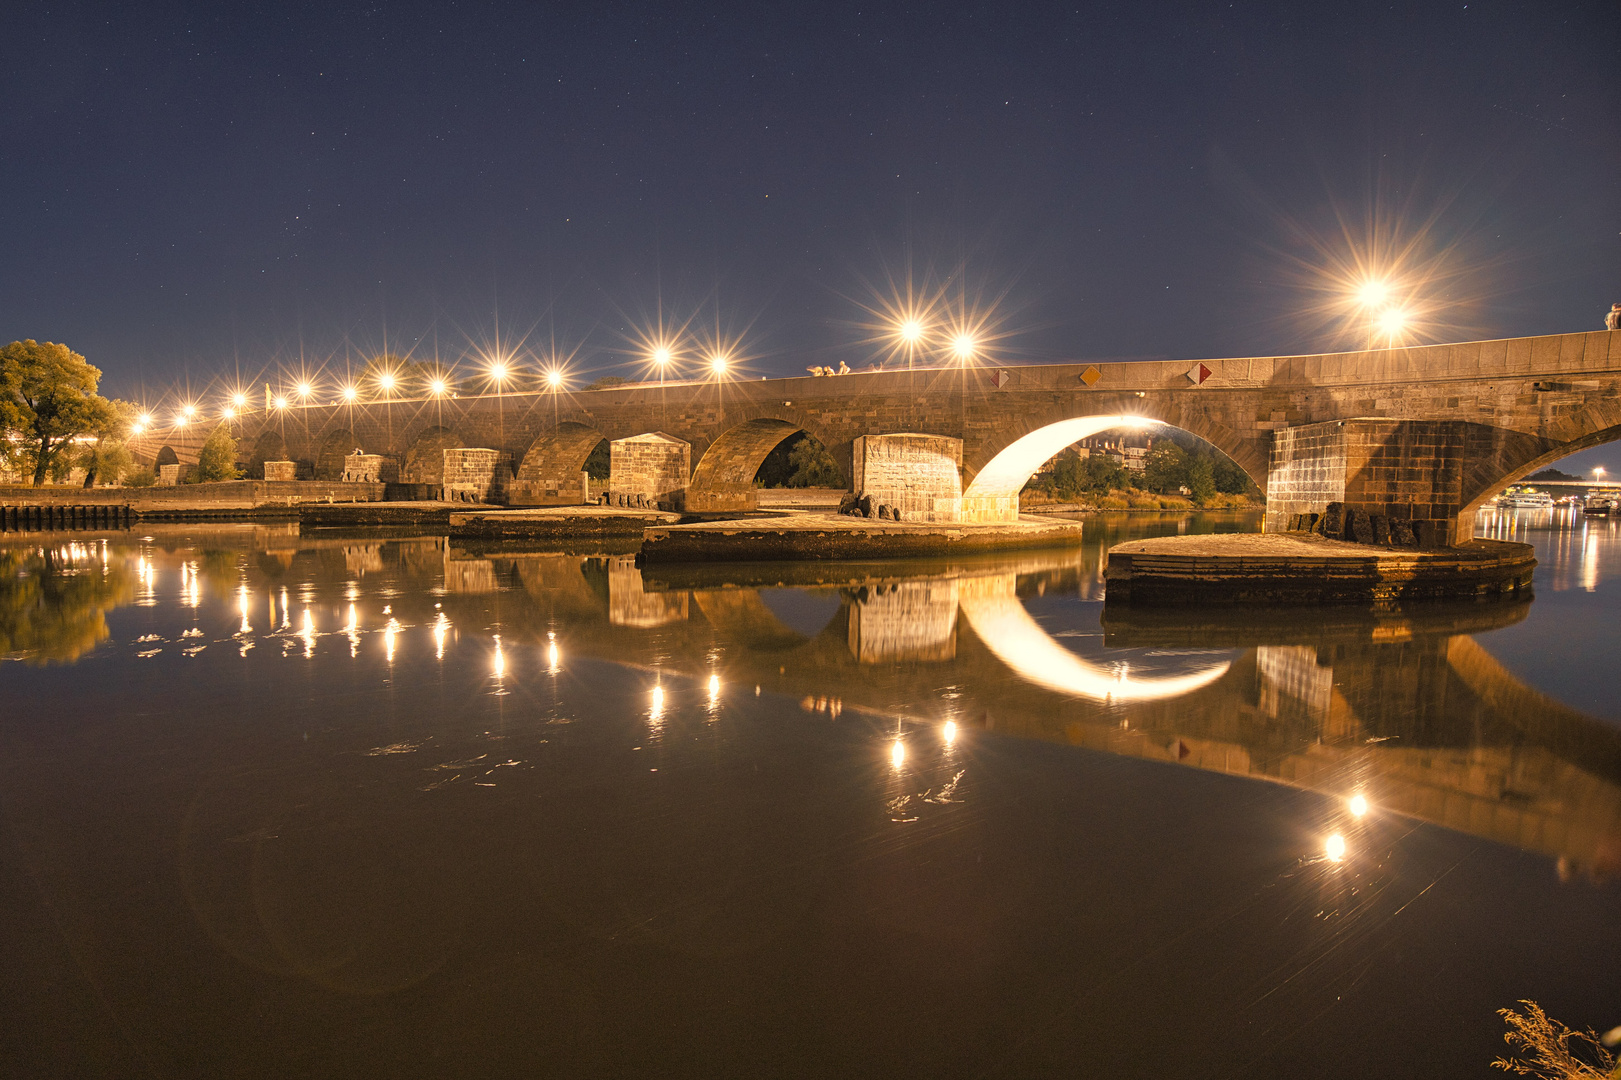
[1302, 568]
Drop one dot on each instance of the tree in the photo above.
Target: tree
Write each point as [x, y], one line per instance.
[1201, 476]
[106, 460]
[1229, 478]
[812, 465]
[48, 397]
[1166, 468]
[217, 459]
[1552, 1050]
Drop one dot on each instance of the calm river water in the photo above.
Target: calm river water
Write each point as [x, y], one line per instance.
[351, 805]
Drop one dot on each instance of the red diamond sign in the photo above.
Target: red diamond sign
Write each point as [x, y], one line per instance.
[1199, 373]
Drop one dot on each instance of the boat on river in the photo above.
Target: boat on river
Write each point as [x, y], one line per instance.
[1525, 499]
[1602, 504]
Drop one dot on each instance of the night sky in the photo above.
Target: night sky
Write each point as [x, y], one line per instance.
[190, 191]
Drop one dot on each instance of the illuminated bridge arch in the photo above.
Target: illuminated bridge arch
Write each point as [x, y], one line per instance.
[993, 494]
[724, 478]
[1514, 456]
[549, 474]
[269, 446]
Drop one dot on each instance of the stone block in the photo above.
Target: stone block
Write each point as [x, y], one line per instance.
[919, 474]
[1334, 521]
[1361, 527]
[654, 466]
[281, 470]
[1381, 529]
[1401, 532]
[474, 474]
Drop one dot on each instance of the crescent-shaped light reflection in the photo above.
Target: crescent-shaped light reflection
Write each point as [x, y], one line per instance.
[992, 608]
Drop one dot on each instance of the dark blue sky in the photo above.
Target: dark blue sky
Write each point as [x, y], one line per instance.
[189, 188]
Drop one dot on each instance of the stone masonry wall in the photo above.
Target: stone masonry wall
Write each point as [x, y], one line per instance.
[654, 466]
[474, 475]
[369, 469]
[905, 621]
[1409, 470]
[277, 471]
[919, 475]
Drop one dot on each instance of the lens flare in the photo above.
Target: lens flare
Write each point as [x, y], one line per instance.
[911, 331]
[554, 378]
[386, 380]
[350, 393]
[239, 400]
[305, 389]
[719, 364]
[437, 387]
[1334, 848]
[280, 403]
[1359, 806]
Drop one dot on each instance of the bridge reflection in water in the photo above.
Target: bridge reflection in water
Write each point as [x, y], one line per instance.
[1401, 712]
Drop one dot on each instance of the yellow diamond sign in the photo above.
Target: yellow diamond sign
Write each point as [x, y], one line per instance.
[1091, 375]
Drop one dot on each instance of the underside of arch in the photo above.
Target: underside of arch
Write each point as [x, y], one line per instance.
[552, 473]
[269, 446]
[425, 459]
[724, 478]
[329, 456]
[993, 495]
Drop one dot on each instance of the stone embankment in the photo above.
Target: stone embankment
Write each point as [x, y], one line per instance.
[822, 536]
[1306, 568]
[557, 524]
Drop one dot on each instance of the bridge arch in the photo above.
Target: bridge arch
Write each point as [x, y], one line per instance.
[549, 474]
[724, 478]
[425, 457]
[329, 455]
[993, 494]
[1516, 456]
[166, 456]
[269, 446]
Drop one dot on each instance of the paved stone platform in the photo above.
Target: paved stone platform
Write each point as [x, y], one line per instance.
[556, 523]
[828, 536]
[1301, 568]
[359, 515]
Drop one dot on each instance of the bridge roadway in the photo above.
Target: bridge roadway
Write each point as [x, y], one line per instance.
[1425, 433]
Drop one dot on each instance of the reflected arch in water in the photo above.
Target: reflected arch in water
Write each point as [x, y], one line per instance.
[993, 609]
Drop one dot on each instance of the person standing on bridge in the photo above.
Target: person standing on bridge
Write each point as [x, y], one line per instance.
[1612, 321]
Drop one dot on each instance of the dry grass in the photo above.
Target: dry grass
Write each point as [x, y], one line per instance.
[1547, 1048]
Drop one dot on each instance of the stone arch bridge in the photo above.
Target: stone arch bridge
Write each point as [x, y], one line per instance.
[1424, 433]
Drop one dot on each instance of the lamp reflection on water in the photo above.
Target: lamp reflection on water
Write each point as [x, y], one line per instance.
[714, 691]
[553, 657]
[441, 627]
[389, 632]
[353, 631]
[498, 662]
[1334, 848]
[307, 632]
[1358, 805]
[897, 754]
[948, 732]
[655, 711]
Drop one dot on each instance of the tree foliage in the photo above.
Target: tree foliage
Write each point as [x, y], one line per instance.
[48, 398]
[1072, 475]
[217, 459]
[799, 461]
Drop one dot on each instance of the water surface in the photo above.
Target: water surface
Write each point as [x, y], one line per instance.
[344, 804]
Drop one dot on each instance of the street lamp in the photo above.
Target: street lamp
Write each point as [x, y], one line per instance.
[963, 346]
[304, 391]
[386, 382]
[718, 365]
[554, 378]
[350, 393]
[1391, 323]
[281, 401]
[239, 401]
